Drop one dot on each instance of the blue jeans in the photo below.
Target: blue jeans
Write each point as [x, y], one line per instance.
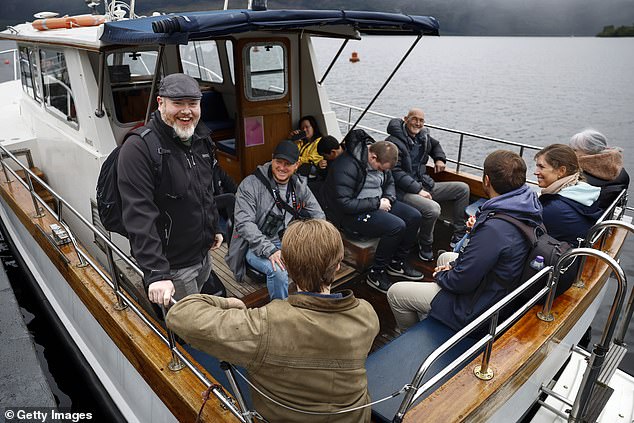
[276, 280]
[397, 230]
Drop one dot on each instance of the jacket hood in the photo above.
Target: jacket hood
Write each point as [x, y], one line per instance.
[521, 203]
[605, 165]
[582, 193]
[357, 144]
[395, 128]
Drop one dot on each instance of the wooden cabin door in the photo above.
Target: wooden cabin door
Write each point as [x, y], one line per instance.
[264, 83]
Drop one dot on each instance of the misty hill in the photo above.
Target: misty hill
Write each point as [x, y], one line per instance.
[457, 17]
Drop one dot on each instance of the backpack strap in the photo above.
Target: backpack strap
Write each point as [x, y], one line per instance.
[158, 154]
[529, 232]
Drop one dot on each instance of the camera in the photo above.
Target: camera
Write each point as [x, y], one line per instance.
[298, 136]
[273, 224]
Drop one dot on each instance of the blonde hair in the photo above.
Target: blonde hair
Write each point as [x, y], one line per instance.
[312, 250]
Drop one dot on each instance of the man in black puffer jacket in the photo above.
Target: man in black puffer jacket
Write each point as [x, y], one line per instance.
[171, 227]
[416, 188]
[360, 197]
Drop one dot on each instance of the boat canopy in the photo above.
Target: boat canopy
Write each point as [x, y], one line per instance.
[180, 28]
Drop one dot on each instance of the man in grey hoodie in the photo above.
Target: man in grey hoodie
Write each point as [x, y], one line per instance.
[266, 202]
[416, 188]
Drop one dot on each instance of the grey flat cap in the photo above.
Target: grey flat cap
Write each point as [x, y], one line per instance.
[179, 86]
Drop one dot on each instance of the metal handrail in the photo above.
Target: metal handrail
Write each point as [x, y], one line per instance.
[417, 390]
[458, 161]
[629, 310]
[14, 51]
[121, 295]
[595, 363]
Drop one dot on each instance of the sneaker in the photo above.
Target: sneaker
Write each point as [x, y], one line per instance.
[404, 270]
[378, 280]
[425, 253]
[455, 239]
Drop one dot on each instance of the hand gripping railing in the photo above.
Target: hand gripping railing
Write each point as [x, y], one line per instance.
[415, 390]
[178, 360]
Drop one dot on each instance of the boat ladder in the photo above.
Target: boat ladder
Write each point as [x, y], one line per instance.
[594, 392]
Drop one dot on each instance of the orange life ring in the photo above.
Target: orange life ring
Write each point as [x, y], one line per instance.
[68, 22]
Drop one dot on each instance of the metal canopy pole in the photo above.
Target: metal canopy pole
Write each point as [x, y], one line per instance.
[102, 64]
[334, 59]
[387, 81]
[157, 69]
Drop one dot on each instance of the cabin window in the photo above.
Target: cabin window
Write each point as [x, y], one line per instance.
[58, 94]
[131, 74]
[201, 60]
[29, 72]
[265, 71]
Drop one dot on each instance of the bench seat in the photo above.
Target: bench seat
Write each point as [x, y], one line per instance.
[213, 112]
[394, 365]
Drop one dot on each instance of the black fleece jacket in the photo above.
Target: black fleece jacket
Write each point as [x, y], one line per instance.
[172, 226]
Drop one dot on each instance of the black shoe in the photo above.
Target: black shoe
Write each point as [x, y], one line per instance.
[455, 239]
[426, 253]
[378, 280]
[402, 269]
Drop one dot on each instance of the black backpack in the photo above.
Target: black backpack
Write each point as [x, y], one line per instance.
[541, 244]
[108, 197]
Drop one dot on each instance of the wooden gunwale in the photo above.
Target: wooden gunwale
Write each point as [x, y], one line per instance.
[517, 353]
[180, 391]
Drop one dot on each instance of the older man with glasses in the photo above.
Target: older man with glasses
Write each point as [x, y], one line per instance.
[418, 189]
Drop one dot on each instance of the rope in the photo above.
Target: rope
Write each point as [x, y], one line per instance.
[206, 396]
[324, 413]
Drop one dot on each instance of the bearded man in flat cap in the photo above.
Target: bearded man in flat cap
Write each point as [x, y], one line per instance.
[164, 179]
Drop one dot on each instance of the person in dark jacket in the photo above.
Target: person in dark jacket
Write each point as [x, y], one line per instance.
[329, 148]
[360, 197]
[416, 188]
[570, 204]
[602, 165]
[490, 265]
[171, 228]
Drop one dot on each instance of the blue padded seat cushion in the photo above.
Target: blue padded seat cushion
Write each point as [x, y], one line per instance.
[394, 365]
[212, 365]
[213, 111]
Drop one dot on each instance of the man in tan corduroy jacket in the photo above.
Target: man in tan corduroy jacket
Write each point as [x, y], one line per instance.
[308, 352]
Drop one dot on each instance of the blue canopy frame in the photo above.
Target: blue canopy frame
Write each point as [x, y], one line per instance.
[182, 27]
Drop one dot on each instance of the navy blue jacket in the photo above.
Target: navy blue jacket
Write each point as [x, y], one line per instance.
[410, 172]
[346, 178]
[496, 253]
[565, 219]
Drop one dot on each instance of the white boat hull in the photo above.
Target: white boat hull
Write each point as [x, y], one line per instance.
[133, 396]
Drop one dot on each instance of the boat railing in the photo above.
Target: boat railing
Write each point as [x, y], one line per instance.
[178, 360]
[14, 53]
[459, 161]
[483, 371]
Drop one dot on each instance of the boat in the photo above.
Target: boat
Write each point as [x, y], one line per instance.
[79, 90]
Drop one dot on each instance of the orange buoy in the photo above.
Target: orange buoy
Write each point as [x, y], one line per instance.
[355, 57]
[7, 61]
[68, 22]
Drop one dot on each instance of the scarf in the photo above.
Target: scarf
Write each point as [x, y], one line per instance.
[559, 184]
